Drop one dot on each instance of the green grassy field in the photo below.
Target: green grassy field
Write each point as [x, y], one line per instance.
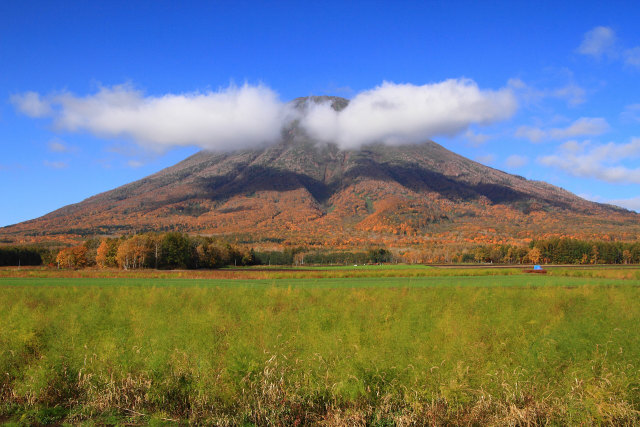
[629, 272]
[487, 349]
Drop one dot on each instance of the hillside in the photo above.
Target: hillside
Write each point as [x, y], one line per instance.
[303, 192]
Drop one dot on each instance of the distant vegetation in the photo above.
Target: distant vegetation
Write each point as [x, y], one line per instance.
[175, 250]
[25, 255]
[557, 251]
[180, 251]
[299, 256]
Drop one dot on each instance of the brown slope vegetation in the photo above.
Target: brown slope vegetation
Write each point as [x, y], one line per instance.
[300, 191]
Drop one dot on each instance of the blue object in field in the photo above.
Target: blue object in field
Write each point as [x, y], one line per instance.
[537, 267]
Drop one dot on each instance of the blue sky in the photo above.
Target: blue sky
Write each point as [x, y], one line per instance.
[97, 94]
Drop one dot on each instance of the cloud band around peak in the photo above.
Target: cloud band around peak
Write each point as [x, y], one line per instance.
[250, 116]
[397, 114]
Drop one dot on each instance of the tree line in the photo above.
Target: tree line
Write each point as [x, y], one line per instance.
[175, 250]
[557, 251]
[171, 250]
[300, 256]
[20, 256]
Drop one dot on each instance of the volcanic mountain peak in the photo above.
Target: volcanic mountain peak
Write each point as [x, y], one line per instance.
[336, 102]
[305, 192]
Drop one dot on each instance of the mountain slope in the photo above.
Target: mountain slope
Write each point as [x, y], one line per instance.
[303, 192]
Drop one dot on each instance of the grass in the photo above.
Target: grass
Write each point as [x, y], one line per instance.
[315, 272]
[511, 349]
[520, 281]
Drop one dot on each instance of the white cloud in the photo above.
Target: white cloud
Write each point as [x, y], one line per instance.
[404, 113]
[516, 161]
[632, 203]
[250, 116]
[602, 41]
[230, 119]
[476, 139]
[604, 162]
[58, 146]
[134, 164]
[531, 133]
[584, 126]
[56, 165]
[486, 159]
[574, 146]
[598, 42]
[31, 104]
[631, 113]
[571, 92]
[632, 56]
[516, 83]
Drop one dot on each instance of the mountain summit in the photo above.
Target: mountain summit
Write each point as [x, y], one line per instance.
[301, 191]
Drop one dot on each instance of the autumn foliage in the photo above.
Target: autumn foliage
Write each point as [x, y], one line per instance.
[422, 202]
[183, 251]
[74, 257]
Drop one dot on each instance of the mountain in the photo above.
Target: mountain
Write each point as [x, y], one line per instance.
[300, 191]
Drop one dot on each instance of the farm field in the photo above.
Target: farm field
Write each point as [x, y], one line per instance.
[385, 346]
[324, 272]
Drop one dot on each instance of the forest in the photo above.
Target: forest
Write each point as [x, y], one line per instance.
[15, 255]
[175, 250]
[556, 251]
[181, 251]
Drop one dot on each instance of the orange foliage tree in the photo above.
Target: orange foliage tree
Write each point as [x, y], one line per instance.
[75, 257]
[133, 252]
[106, 254]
